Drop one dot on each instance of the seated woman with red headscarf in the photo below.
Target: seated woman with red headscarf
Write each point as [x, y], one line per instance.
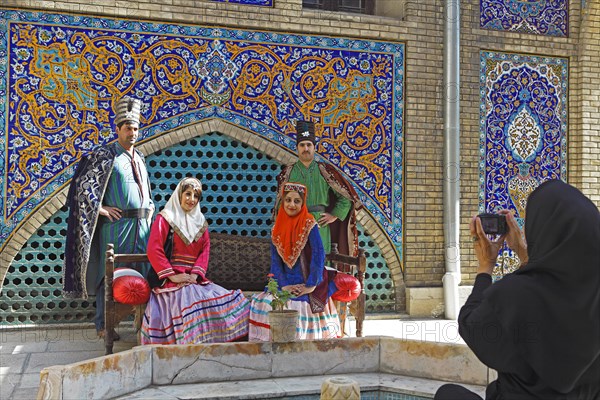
[186, 307]
[298, 265]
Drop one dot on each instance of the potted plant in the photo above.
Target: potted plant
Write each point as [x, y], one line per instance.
[282, 321]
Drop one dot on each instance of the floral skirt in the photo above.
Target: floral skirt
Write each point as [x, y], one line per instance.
[195, 314]
[324, 325]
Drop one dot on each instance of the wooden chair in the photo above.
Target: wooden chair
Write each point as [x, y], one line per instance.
[355, 266]
[114, 311]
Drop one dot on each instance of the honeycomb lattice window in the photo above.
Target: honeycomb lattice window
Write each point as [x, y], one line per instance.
[238, 192]
[32, 289]
[238, 183]
[379, 286]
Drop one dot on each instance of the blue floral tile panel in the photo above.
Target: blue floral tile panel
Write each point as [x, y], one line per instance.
[540, 17]
[523, 128]
[64, 73]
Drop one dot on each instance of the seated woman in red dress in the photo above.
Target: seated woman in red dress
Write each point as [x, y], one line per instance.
[187, 307]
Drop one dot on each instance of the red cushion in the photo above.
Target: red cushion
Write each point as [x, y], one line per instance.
[348, 287]
[130, 288]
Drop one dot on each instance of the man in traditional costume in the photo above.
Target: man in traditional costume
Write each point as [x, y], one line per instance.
[109, 202]
[331, 199]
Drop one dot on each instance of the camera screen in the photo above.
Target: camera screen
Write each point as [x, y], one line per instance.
[489, 224]
[493, 224]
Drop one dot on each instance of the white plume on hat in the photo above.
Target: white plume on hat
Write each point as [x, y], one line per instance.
[128, 109]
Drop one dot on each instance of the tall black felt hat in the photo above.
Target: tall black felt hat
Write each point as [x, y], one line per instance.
[305, 130]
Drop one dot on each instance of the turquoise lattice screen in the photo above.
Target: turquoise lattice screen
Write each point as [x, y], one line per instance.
[239, 185]
[32, 290]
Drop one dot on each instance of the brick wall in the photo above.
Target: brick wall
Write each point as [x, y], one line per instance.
[584, 126]
[421, 28]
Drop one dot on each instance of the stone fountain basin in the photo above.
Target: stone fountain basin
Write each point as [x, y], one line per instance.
[228, 369]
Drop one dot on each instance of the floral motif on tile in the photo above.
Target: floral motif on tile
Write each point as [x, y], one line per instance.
[541, 17]
[523, 128]
[64, 73]
[264, 3]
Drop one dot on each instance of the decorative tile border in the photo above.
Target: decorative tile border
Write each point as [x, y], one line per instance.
[63, 74]
[539, 17]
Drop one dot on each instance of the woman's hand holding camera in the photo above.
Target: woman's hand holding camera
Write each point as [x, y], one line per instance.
[515, 238]
[486, 250]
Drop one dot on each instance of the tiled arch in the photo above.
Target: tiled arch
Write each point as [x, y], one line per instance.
[284, 156]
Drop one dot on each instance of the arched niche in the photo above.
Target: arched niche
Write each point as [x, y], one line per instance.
[154, 144]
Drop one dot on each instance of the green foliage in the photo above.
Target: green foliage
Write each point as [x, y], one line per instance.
[280, 297]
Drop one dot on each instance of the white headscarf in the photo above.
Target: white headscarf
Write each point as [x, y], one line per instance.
[188, 225]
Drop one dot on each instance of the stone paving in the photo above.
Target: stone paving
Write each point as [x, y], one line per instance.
[24, 352]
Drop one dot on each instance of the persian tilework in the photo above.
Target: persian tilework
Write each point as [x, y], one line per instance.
[523, 130]
[542, 17]
[64, 73]
[264, 3]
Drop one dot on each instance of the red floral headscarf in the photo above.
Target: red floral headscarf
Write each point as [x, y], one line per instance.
[290, 234]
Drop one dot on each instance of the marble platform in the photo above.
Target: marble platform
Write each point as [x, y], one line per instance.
[235, 370]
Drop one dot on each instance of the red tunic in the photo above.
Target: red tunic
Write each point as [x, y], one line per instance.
[189, 259]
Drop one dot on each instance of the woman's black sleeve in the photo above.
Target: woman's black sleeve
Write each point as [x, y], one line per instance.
[481, 330]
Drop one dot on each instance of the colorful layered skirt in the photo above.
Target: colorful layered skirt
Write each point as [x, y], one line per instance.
[323, 325]
[195, 314]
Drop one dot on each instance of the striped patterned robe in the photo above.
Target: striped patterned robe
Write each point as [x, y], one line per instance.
[203, 312]
[103, 176]
[129, 235]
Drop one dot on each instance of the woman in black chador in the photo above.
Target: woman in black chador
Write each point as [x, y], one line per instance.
[539, 327]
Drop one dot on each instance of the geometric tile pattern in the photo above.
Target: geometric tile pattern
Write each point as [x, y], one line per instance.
[523, 127]
[540, 17]
[63, 74]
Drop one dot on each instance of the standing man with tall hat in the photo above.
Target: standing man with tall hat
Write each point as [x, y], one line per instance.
[331, 199]
[109, 202]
